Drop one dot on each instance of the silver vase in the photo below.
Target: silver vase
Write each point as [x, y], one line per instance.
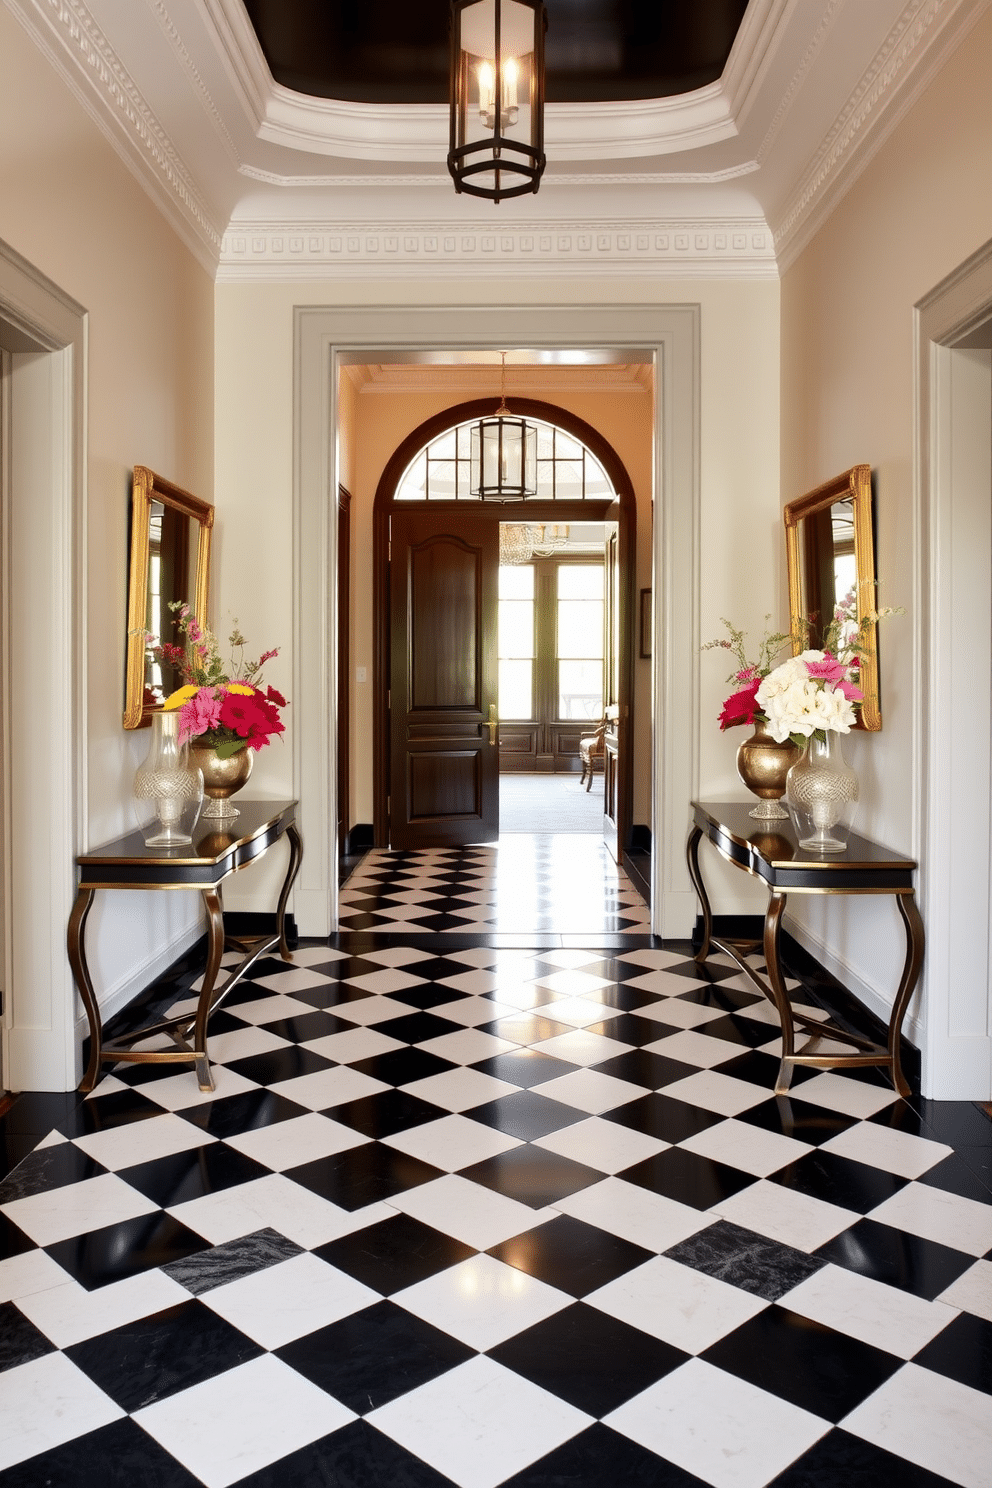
[822, 792]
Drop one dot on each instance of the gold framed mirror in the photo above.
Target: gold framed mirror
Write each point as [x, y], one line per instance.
[830, 549]
[170, 560]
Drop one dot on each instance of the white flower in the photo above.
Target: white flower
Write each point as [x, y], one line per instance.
[796, 703]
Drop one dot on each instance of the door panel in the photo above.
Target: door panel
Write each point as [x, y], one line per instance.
[444, 782]
[613, 830]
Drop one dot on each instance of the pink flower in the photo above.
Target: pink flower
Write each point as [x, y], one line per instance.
[200, 714]
[742, 706]
[852, 693]
[828, 670]
[266, 656]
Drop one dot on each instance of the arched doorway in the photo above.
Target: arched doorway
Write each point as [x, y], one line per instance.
[610, 501]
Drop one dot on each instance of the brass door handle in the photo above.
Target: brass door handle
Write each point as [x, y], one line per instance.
[492, 725]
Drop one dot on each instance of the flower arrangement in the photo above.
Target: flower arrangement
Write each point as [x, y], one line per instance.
[742, 705]
[220, 705]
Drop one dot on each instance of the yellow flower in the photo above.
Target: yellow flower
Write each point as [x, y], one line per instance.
[180, 696]
[241, 688]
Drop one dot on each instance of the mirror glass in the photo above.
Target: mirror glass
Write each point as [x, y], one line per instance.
[830, 549]
[170, 560]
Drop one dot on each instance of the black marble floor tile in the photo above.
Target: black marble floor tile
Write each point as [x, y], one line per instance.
[13, 1240]
[525, 1067]
[663, 1117]
[963, 1351]
[762, 1069]
[363, 1175]
[598, 1457]
[403, 1066]
[159, 1355]
[47, 1168]
[35, 1114]
[747, 1032]
[357, 1456]
[20, 1340]
[901, 1260]
[532, 1175]
[182, 1176]
[628, 999]
[305, 1027]
[279, 1064]
[103, 1112]
[231, 1261]
[558, 1355]
[14, 1148]
[841, 1459]
[394, 1254]
[688, 1178]
[527, 1115]
[839, 1180]
[120, 1455]
[706, 971]
[374, 1355]
[570, 1255]
[631, 1029]
[127, 1249]
[745, 1259]
[386, 1113]
[728, 999]
[959, 1123]
[417, 1028]
[955, 1176]
[233, 1114]
[799, 1119]
[900, 1116]
[817, 1368]
[638, 1067]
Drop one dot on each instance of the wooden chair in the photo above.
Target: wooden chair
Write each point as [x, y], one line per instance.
[590, 750]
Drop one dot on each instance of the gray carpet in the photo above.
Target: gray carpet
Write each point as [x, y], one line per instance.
[549, 803]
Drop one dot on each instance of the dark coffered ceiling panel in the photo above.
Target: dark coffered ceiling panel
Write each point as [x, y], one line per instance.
[396, 51]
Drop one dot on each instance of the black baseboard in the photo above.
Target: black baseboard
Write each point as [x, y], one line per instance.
[640, 838]
[361, 839]
[821, 986]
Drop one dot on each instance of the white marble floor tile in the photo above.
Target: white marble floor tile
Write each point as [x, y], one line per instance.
[572, 982]
[676, 1303]
[294, 979]
[353, 1044]
[240, 1043]
[749, 1439]
[590, 1090]
[883, 1147]
[317, 955]
[580, 1012]
[972, 1291]
[470, 1011]
[239, 1421]
[523, 996]
[371, 1011]
[32, 1271]
[691, 1047]
[963, 1224]
[277, 1203]
[271, 1009]
[840, 1093]
[936, 1422]
[680, 1014]
[59, 1213]
[786, 1215]
[886, 1317]
[605, 1145]
[635, 1214]
[452, 1142]
[282, 1302]
[382, 983]
[467, 1046]
[472, 983]
[475, 1215]
[482, 1301]
[330, 1087]
[479, 1424]
[143, 1141]
[301, 1139]
[108, 1083]
[750, 1148]
[459, 1089]
[581, 1047]
[661, 982]
[395, 955]
[713, 1091]
[68, 1314]
[653, 959]
[47, 1402]
[181, 1092]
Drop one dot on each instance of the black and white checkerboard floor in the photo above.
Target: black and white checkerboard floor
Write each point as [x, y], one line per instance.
[462, 1215]
[524, 884]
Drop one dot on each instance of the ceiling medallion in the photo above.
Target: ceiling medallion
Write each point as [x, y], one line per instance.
[496, 97]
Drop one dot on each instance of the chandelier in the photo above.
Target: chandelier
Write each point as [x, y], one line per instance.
[519, 542]
[496, 99]
[503, 453]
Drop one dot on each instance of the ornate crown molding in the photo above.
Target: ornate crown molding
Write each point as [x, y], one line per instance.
[551, 178]
[707, 248]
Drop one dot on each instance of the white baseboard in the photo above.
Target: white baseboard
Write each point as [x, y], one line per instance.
[141, 977]
[876, 1003]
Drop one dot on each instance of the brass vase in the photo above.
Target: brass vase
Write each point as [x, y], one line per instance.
[763, 764]
[221, 779]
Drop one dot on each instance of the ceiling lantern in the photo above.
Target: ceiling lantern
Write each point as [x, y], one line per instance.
[497, 97]
[503, 453]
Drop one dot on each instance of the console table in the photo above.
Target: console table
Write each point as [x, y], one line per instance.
[218, 850]
[769, 850]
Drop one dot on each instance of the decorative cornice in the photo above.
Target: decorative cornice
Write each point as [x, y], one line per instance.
[171, 31]
[550, 179]
[799, 77]
[79, 50]
[707, 248]
[476, 380]
[866, 119]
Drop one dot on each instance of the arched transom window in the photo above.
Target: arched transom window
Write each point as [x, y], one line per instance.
[566, 469]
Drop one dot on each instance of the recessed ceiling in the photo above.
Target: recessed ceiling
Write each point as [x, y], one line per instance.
[392, 51]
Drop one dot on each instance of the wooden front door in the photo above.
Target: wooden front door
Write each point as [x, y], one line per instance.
[444, 757]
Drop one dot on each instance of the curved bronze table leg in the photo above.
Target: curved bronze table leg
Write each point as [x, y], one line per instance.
[215, 950]
[692, 863]
[77, 960]
[780, 997]
[295, 859]
[915, 940]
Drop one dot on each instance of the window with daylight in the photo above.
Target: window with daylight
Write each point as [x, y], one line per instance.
[551, 641]
[566, 469]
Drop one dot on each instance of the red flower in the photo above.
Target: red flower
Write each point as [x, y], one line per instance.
[742, 706]
[241, 714]
[275, 697]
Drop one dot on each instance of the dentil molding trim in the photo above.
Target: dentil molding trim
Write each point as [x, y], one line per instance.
[731, 247]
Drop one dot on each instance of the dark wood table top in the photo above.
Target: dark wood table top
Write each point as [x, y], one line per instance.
[217, 849]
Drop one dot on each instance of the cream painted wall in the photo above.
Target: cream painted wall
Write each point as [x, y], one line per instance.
[921, 207]
[70, 207]
[739, 512]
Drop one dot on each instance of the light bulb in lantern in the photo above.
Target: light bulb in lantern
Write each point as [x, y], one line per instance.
[487, 93]
[508, 102]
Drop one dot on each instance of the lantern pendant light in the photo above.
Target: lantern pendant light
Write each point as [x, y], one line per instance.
[497, 97]
[503, 453]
